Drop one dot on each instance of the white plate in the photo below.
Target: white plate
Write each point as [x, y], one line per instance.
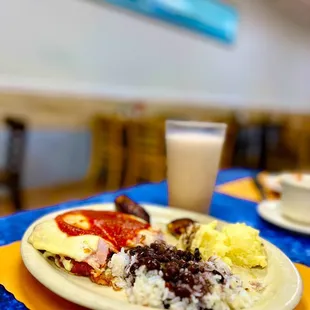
[283, 292]
[270, 210]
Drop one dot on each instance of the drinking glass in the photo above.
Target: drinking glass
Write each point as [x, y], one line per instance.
[193, 156]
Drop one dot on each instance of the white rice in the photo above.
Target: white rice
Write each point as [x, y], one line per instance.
[149, 288]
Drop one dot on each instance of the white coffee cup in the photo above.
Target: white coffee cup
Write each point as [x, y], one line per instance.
[295, 200]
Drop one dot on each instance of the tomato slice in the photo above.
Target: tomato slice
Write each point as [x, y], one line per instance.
[116, 227]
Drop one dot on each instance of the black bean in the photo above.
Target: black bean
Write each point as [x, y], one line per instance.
[188, 256]
[172, 265]
[166, 306]
[183, 264]
[132, 252]
[197, 255]
[221, 280]
[142, 261]
[143, 253]
[134, 267]
[153, 255]
[155, 246]
[161, 250]
[138, 249]
[193, 268]
[171, 271]
[173, 258]
[152, 264]
[182, 291]
[180, 253]
[170, 253]
[163, 258]
[188, 278]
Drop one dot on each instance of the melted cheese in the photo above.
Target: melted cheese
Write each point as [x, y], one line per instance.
[90, 249]
[48, 237]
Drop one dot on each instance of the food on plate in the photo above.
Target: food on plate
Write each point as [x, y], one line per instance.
[122, 250]
[126, 205]
[82, 241]
[161, 276]
[237, 244]
[179, 226]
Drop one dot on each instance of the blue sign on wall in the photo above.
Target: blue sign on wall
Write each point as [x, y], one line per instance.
[210, 17]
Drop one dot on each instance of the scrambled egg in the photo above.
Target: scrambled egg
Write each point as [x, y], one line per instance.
[236, 244]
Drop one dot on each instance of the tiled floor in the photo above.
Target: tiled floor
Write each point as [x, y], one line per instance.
[46, 197]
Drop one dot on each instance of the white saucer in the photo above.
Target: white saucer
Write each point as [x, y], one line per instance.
[270, 211]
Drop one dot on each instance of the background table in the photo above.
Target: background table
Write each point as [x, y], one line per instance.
[235, 200]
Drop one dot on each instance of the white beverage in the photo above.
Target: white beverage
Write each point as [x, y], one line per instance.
[192, 164]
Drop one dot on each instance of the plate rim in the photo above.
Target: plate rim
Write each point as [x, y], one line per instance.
[113, 304]
[288, 225]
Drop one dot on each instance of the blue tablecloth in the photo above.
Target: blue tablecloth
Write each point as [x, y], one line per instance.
[224, 207]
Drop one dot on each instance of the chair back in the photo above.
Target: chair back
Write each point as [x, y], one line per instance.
[107, 152]
[146, 149]
[15, 146]
[250, 148]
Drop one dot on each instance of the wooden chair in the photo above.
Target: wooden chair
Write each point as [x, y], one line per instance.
[280, 154]
[283, 143]
[301, 131]
[108, 152]
[11, 175]
[146, 160]
[250, 148]
[278, 140]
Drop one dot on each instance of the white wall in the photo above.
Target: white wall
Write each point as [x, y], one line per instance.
[81, 46]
